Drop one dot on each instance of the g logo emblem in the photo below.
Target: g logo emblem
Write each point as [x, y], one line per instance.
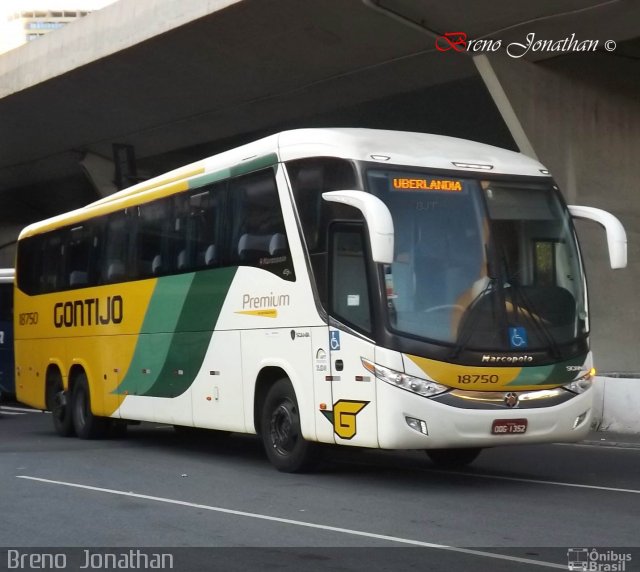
[343, 417]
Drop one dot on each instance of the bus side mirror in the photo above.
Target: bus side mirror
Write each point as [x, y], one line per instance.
[616, 235]
[377, 216]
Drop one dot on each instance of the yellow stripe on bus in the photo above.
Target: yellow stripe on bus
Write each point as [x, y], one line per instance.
[467, 377]
[95, 328]
[97, 209]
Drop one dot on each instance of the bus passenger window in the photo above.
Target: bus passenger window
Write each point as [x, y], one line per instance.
[204, 226]
[114, 260]
[30, 257]
[53, 252]
[309, 179]
[81, 245]
[259, 234]
[149, 238]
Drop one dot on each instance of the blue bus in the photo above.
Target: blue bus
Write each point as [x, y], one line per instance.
[7, 381]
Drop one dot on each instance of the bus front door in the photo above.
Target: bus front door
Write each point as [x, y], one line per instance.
[353, 411]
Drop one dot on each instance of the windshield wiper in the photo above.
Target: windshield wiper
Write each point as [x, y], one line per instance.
[528, 310]
[464, 335]
[495, 285]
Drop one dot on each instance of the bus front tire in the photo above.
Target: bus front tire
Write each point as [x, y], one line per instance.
[58, 404]
[282, 437]
[453, 458]
[86, 424]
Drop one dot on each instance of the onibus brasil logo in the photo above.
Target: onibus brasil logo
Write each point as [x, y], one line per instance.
[597, 560]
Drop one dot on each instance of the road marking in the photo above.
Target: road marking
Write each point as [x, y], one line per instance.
[5, 412]
[8, 408]
[617, 445]
[534, 481]
[325, 527]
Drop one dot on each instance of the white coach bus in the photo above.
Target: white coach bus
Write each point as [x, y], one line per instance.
[349, 286]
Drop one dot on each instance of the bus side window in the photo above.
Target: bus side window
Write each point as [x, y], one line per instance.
[52, 271]
[30, 253]
[309, 179]
[81, 245]
[116, 244]
[259, 237]
[149, 239]
[206, 210]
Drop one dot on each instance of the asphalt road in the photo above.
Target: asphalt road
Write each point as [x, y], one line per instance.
[215, 503]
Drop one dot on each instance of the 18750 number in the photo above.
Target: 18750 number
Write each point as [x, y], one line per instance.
[485, 378]
[28, 319]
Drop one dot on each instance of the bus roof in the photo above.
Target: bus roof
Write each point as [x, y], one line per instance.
[405, 148]
[384, 146]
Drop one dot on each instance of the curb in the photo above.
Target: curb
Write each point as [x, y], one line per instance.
[617, 404]
[610, 444]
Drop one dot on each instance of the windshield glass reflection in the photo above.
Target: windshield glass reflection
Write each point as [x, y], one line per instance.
[481, 265]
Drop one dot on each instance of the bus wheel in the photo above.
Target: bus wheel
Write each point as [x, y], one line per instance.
[86, 424]
[58, 403]
[280, 430]
[453, 458]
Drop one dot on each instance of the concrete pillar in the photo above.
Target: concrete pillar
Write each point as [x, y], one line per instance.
[100, 172]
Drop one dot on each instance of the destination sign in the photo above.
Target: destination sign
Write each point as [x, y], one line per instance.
[427, 184]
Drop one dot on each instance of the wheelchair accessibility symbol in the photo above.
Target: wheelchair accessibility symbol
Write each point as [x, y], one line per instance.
[334, 340]
[518, 338]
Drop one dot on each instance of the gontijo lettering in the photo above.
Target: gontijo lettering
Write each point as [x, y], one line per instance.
[427, 184]
[88, 312]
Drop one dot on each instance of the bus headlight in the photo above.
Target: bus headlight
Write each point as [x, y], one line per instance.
[581, 384]
[403, 381]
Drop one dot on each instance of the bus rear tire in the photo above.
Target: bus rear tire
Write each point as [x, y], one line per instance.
[86, 424]
[281, 434]
[57, 401]
[453, 458]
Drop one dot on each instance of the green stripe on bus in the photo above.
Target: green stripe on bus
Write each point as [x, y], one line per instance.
[556, 374]
[166, 303]
[254, 164]
[193, 332]
[209, 179]
[175, 335]
[247, 167]
[154, 341]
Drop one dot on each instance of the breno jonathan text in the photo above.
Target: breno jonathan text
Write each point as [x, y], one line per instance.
[86, 559]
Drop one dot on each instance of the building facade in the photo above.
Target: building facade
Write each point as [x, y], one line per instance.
[28, 20]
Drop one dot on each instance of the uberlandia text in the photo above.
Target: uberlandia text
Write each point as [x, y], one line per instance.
[132, 559]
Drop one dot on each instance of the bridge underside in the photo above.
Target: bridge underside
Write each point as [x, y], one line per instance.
[239, 71]
[181, 80]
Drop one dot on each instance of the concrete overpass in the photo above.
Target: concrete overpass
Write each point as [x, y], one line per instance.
[181, 79]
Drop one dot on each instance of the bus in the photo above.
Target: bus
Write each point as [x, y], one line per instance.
[354, 287]
[7, 388]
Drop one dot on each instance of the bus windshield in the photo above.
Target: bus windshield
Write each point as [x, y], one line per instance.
[484, 265]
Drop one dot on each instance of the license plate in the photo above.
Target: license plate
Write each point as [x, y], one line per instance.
[509, 427]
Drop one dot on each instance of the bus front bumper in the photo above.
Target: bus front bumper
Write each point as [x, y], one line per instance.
[409, 421]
